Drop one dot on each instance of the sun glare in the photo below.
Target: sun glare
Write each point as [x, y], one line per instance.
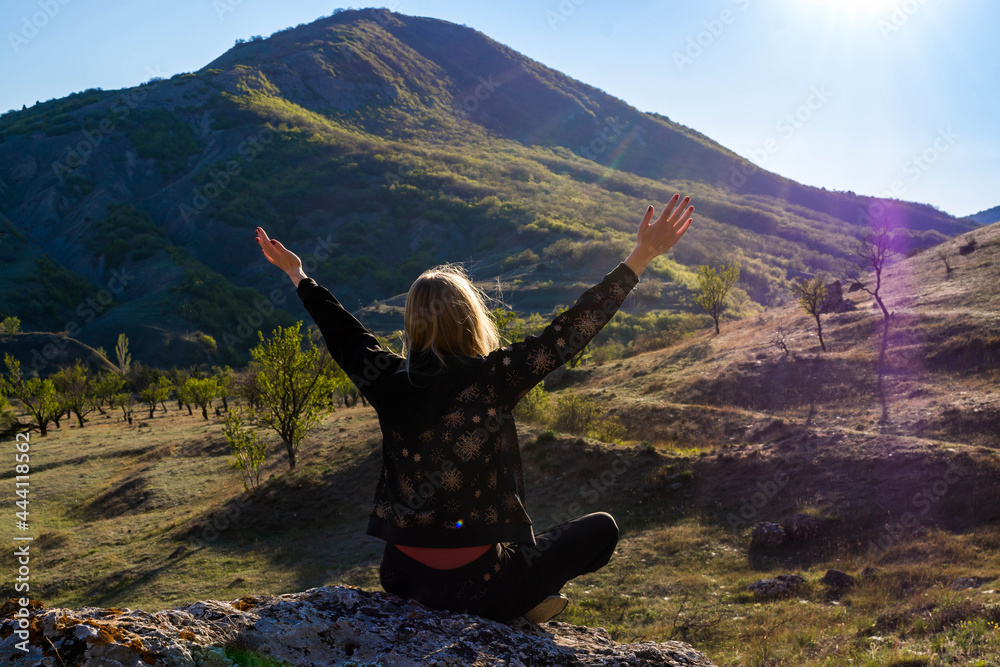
[856, 8]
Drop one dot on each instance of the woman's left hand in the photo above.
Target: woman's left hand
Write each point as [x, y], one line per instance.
[655, 238]
[277, 254]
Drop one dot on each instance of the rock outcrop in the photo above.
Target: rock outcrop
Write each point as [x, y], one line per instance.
[783, 584]
[767, 536]
[802, 528]
[838, 581]
[325, 627]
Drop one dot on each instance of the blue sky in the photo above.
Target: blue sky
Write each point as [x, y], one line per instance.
[882, 97]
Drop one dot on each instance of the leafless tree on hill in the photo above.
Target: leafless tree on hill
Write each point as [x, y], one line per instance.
[874, 251]
[942, 254]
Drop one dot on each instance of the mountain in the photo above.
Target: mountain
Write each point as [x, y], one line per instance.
[374, 145]
[987, 217]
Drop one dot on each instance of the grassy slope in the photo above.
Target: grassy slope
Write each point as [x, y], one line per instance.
[114, 507]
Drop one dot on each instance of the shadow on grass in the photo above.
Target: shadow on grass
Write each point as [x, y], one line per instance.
[310, 522]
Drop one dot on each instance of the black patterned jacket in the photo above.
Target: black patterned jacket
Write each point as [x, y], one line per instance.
[451, 467]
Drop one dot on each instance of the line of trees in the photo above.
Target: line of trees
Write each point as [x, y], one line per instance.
[286, 388]
[76, 392]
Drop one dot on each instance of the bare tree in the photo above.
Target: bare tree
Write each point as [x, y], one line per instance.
[942, 254]
[874, 251]
[779, 340]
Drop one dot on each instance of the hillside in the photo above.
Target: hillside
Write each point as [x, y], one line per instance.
[374, 144]
[987, 217]
[897, 464]
[935, 398]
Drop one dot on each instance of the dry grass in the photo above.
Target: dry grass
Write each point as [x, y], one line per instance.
[723, 431]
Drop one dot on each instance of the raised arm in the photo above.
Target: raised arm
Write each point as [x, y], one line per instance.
[522, 365]
[352, 346]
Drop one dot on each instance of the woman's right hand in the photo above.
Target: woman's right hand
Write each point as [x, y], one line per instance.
[655, 238]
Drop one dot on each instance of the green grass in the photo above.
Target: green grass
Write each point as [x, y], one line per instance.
[114, 506]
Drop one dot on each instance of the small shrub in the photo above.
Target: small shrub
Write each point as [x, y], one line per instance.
[968, 247]
[208, 342]
[780, 340]
[523, 258]
[576, 414]
[534, 406]
[11, 325]
[247, 448]
[613, 349]
[583, 415]
[609, 429]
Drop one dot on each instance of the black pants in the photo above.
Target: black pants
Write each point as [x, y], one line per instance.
[507, 581]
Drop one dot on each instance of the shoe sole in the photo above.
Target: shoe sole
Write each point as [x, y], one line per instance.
[547, 609]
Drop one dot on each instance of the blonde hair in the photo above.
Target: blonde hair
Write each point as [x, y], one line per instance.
[446, 314]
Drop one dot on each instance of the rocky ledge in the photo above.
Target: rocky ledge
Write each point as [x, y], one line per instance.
[324, 627]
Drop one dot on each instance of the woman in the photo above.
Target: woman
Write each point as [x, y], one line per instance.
[450, 497]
